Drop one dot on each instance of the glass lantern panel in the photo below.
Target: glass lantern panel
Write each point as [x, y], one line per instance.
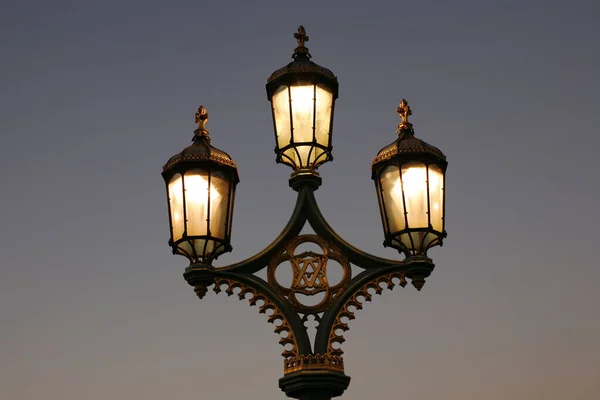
[231, 189]
[324, 104]
[281, 114]
[436, 197]
[414, 188]
[204, 246]
[186, 248]
[303, 111]
[410, 240]
[175, 189]
[197, 201]
[391, 189]
[218, 204]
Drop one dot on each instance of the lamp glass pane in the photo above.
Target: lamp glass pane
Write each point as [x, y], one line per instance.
[436, 197]
[218, 204]
[303, 110]
[391, 189]
[281, 114]
[197, 203]
[175, 189]
[324, 104]
[414, 188]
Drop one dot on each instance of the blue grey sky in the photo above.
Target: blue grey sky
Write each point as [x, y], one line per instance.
[96, 96]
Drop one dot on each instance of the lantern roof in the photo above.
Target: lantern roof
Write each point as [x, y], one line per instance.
[301, 67]
[407, 143]
[201, 151]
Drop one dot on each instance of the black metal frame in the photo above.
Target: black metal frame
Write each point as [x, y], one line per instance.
[327, 379]
[392, 239]
[302, 71]
[210, 166]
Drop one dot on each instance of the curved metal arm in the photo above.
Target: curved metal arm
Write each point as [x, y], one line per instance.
[377, 273]
[291, 229]
[307, 209]
[359, 287]
[355, 256]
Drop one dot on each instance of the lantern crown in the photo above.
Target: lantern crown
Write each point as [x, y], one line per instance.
[200, 150]
[302, 68]
[407, 144]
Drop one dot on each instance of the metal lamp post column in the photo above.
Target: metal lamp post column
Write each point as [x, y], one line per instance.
[411, 203]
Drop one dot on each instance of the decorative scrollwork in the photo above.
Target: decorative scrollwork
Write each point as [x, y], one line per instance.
[314, 361]
[309, 270]
[356, 302]
[266, 306]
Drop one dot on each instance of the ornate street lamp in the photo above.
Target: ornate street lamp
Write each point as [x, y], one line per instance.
[302, 96]
[201, 184]
[409, 177]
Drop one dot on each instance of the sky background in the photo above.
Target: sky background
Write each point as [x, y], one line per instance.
[96, 96]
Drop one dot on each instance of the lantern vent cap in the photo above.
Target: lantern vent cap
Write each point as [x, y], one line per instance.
[201, 150]
[407, 144]
[301, 66]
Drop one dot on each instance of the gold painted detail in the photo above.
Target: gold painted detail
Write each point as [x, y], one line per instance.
[309, 273]
[301, 36]
[364, 294]
[306, 67]
[312, 362]
[413, 146]
[201, 118]
[265, 306]
[200, 156]
[404, 111]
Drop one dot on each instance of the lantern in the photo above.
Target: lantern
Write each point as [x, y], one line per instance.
[409, 176]
[201, 183]
[302, 96]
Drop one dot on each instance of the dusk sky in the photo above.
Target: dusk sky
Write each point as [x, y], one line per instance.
[96, 96]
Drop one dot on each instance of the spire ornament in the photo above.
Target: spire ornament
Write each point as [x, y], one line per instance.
[201, 119]
[301, 37]
[404, 111]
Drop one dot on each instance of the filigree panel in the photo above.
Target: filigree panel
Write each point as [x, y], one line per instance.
[265, 306]
[356, 302]
[309, 273]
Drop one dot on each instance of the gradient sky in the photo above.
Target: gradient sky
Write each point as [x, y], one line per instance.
[96, 96]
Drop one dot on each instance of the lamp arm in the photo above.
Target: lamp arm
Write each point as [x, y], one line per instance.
[291, 229]
[258, 293]
[360, 290]
[355, 256]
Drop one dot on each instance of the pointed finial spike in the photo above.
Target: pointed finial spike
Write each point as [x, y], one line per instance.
[418, 283]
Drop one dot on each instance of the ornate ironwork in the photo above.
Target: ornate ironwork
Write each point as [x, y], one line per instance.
[309, 273]
[356, 301]
[403, 111]
[301, 36]
[317, 368]
[265, 306]
[314, 362]
[201, 118]
[406, 143]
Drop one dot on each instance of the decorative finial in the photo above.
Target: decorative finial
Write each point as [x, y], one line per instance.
[301, 38]
[404, 111]
[201, 120]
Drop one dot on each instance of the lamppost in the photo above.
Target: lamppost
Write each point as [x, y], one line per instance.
[409, 177]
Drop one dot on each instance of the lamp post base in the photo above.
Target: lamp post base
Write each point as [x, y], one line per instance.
[314, 384]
